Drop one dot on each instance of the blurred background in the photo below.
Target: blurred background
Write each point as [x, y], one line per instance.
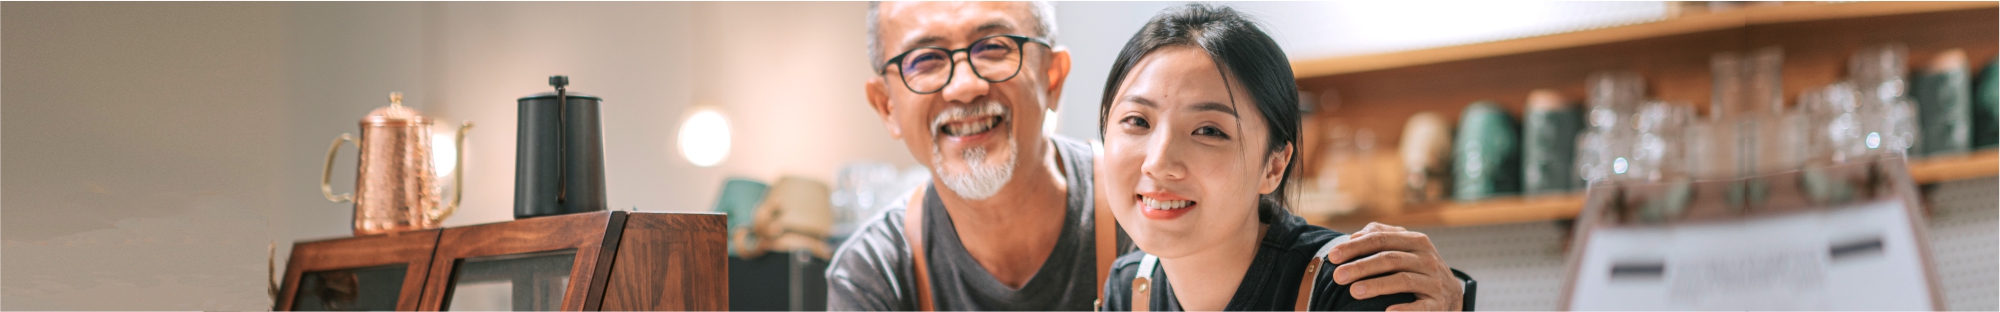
[163, 154]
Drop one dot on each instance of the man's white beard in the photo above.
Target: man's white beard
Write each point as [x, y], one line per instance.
[981, 181]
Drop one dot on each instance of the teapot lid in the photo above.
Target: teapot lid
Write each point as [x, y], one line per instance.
[394, 114]
[559, 82]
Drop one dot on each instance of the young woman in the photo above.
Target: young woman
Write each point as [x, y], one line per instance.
[1200, 121]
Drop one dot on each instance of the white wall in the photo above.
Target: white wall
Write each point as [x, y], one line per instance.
[785, 73]
[143, 147]
[634, 55]
[1094, 32]
[153, 150]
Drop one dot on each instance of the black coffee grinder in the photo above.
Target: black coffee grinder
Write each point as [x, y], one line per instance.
[559, 154]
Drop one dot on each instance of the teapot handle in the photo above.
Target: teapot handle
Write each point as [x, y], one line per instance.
[457, 178]
[325, 175]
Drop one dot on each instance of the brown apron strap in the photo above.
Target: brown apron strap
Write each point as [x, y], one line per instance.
[913, 230]
[1306, 285]
[1107, 244]
[1142, 284]
[1304, 303]
[1106, 227]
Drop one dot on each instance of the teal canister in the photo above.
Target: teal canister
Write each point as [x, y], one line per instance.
[1944, 105]
[1548, 149]
[1986, 107]
[739, 199]
[1486, 154]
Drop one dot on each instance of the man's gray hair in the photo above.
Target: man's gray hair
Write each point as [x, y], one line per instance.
[1044, 13]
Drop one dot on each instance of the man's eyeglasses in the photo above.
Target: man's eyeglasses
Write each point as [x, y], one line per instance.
[926, 70]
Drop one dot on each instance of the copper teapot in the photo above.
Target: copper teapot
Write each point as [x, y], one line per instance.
[396, 187]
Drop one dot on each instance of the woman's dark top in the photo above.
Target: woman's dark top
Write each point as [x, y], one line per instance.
[1271, 284]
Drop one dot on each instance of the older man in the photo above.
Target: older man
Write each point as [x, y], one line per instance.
[1008, 222]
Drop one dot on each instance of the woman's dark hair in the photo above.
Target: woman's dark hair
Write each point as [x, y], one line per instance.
[1241, 51]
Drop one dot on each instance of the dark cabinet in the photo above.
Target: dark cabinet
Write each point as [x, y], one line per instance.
[612, 260]
[778, 281]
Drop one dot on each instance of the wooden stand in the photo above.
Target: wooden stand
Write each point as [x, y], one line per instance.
[611, 260]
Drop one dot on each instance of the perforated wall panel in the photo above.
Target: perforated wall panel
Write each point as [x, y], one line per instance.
[1965, 242]
[1518, 266]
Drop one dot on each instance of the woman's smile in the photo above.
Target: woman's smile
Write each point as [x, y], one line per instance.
[1163, 205]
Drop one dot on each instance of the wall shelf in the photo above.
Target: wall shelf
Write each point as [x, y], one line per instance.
[1452, 214]
[1379, 92]
[1980, 164]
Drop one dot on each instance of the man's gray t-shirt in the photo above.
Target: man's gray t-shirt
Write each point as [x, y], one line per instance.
[873, 270]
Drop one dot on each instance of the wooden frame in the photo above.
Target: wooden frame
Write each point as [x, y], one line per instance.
[662, 264]
[668, 261]
[585, 232]
[411, 248]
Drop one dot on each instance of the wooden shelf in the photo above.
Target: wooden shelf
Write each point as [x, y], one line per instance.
[1980, 164]
[1380, 91]
[1672, 26]
[1452, 214]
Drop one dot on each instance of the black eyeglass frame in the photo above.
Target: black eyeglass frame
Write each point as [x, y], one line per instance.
[952, 71]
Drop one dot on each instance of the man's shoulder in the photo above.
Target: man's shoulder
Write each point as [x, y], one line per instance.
[1069, 146]
[880, 239]
[870, 270]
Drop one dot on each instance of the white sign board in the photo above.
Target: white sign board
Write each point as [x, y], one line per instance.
[1860, 257]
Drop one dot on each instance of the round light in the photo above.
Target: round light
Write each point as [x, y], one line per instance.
[1618, 166]
[444, 154]
[704, 138]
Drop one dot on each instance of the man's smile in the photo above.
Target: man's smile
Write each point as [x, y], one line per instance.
[968, 122]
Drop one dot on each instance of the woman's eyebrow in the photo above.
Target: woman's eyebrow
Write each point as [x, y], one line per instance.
[1213, 106]
[1141, 101]
[1203, 106]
